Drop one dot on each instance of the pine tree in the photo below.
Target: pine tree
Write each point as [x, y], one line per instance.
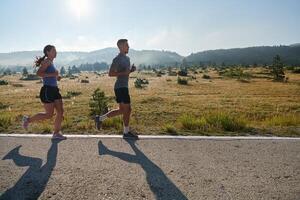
[277, 69]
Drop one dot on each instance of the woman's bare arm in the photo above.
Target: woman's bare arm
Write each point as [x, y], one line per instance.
[42, 70]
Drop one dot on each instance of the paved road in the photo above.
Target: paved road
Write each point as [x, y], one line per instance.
[112, 168]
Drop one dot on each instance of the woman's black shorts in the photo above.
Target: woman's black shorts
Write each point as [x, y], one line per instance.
[49, 94]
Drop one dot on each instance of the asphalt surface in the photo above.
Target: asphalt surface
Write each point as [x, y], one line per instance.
[113, 168]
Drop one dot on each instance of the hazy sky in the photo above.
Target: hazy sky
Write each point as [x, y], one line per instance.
[183, 26]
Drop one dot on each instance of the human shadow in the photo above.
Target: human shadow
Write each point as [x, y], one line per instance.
[161, 186]
[33, 182]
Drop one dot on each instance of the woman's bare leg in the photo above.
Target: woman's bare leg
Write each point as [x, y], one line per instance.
[49, 110]
[59, 115]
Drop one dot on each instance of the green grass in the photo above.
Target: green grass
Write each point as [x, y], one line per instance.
[215, 121]
[190, 122]
[5, 121]
[171, 129]
[115, 123]
[284, 120]
[216, 107]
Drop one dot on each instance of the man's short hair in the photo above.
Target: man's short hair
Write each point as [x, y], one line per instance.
[121, 41]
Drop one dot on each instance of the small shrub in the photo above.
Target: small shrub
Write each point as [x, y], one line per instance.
[172, 73]
[140, 83]
[205, 76]
[5, 122]
[71, 94]
[182, 81]
[84, 81]
[114, 122]
[169, 128]
[182, 73]
[3, 106]
[30, 77]
[296, 70]
[98, 103]
[3, 82]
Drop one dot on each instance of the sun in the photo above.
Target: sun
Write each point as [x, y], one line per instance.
[80, 8]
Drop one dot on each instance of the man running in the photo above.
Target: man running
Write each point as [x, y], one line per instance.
[121, 69]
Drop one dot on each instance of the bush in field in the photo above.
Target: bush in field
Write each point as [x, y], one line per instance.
[235, 72]
[3, 106]
[3, 82]
[140, 83]
[71, 94]
[183, 72]
[277, 69]
[205, 76]
[24, 72]
[182, 81]
[296, 70]
[160, 73]
[98, 103]
[169, 128]
[5, 122]
[172, 73]
[84, 81]
[30, 77]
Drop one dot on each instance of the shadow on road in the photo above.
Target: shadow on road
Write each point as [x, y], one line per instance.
[161, 186]
[34, 180]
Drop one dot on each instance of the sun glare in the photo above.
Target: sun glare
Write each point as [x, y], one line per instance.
[80, 8]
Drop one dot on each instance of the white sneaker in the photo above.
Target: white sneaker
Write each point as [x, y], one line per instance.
[25, 122]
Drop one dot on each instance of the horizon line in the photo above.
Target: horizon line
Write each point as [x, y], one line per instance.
[162, 50]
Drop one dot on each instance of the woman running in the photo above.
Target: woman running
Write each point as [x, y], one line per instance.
[49, 94]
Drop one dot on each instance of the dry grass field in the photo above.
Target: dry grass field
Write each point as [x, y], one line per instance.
[215, 106]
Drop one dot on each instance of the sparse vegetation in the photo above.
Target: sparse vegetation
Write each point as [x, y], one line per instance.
[141, 83]
[224, 106]
[205, 76]
[277, 69]
[3, 82]
[30, 77]
[71, 94]
[3, 106]
[5, 121]
[98, 103]
[169, 128]
[182, 81]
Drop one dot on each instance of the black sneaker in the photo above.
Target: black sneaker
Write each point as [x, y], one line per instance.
[98, 122]
[130, 135]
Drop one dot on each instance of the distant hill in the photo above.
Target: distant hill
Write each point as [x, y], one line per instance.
[247, 56]
[147, 57]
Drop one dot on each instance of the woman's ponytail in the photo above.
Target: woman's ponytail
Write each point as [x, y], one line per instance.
[39, 59]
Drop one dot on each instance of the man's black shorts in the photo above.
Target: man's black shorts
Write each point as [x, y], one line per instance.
[49, 94]
[122, 95]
